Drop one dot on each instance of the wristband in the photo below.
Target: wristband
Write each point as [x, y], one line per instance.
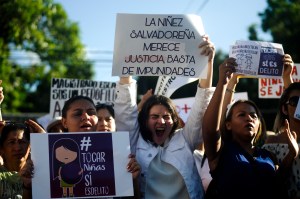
[230, 90]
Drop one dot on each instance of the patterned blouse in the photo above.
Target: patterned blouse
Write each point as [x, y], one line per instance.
[281, 150]
[10, 184]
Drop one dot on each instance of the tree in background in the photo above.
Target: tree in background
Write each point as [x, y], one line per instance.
[281, 20]
[39, 28]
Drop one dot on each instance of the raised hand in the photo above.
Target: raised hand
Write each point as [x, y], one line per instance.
[207, 48]
[226, 70]
[34, 127]
[291, 138]
[133, 166]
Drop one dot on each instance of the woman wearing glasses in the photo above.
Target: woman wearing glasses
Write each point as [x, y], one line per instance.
[285, 119]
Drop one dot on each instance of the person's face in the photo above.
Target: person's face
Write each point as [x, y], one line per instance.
[290, 110]
[16, 148]
[106, 122]
[160, 123]
[244, 123]
[81, 117]
[65, 155]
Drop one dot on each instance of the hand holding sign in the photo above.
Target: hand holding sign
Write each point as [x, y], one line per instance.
[258, 59]
[287, 70]
[157, 45]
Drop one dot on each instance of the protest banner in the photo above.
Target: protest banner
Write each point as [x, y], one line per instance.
[273, 88]
[156, 45]
[258, 59]
[90, 165]
[184, 105]
[167, 85]
[297, 111]
[63, 89]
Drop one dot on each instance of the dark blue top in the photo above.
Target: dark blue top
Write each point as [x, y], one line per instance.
[241, 175]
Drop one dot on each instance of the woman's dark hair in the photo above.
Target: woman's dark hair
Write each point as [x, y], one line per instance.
[70, 171]
[73, 99]
[281, 116]
[145, 111]
[108, 107]
[13, 126]
[262, 131]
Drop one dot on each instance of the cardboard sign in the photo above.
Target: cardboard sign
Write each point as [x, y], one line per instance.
[155, 45]
[184, 105]
[258, 59]
[63, 89]
[167, 85]
[273, 88]
[85, 164]
[297, 111]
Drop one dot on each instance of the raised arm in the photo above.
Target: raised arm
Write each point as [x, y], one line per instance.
[287, 70]
[212, 116]
[285, 166]
[193, 126]
[207, 49]
[125, 108]
[230, 90]
[146, 96]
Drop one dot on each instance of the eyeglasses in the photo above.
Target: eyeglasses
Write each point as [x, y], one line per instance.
[293, 101]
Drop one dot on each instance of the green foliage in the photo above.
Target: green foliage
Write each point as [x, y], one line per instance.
[41, 27]
[282, 20]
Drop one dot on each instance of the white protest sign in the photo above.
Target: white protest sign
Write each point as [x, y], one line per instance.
[184, 105]
[155, 45]
[273, 88]
[167, 85]
[90, 165]
[63, 89]
[258, 59]
[297, 111]
[44, 120]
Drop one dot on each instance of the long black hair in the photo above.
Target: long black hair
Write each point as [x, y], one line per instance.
[73, 99]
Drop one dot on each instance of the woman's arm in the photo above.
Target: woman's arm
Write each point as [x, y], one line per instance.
[212, 116]
[193, 126]
[126, 111]
[286, 164]
[207, 49]
[287, 70]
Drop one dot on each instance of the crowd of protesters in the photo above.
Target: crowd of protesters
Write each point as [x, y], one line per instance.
[167, 156]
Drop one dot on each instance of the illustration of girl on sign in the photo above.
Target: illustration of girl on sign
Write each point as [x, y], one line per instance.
[66, 165]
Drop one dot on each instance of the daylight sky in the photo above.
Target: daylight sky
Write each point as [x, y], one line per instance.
[224, 21]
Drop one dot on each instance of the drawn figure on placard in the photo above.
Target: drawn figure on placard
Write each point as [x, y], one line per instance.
[66, 165]
[248, 61]
[239, 59]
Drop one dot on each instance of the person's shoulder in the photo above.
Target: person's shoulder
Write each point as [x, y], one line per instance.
[274, 138]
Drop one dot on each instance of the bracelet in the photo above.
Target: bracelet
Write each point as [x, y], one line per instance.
[230, 90]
